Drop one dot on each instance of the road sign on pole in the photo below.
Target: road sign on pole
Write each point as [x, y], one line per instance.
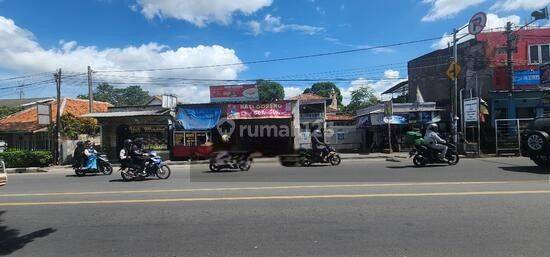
[477, 23]
[44, 111]
[453, 71]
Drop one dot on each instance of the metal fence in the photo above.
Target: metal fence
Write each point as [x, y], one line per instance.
[508, 135]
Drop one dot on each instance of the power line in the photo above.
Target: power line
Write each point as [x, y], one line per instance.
[281, 59]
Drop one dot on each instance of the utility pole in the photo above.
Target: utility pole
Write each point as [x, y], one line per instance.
[90, 91]
[57, 77]
[21, 92]
[509, 54]
[455, 88]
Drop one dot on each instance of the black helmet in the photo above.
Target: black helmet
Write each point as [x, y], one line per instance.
[138, 141]
[128, 142]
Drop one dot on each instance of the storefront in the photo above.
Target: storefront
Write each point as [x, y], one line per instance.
[406, 116]
[152, 124]
[195, 130]
[269, 128]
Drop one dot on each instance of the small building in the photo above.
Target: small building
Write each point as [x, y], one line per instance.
[269, 128]
[21, 130]
[152, 123]
[406, 116]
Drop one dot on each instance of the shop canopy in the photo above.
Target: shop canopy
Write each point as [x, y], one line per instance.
[198, 117]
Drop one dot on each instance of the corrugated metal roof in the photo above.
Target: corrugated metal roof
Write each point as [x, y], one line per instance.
[125, 114]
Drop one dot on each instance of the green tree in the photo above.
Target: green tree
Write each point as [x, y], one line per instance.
[8, 110]
[72, 126]
[270, 90]
[325, 89]
[361, 98]
[132, 95]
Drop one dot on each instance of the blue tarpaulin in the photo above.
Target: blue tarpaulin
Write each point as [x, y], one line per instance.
[198, 117]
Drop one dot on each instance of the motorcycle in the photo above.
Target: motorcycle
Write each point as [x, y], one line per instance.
[102, 165]
[423, 155]
[154, 166]
[308, 157]
[230, 160]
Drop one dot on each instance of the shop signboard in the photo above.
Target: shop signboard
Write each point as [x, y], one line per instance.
[276, 110]
[471, 110]
[396, 120]
[234, 93]
[545, 74]
[526, 78]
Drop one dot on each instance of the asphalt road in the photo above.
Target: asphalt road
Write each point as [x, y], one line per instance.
[482, 207]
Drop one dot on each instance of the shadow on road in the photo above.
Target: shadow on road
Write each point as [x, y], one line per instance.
[87, 175]
[11, 241]
[526, 169]
[412, 166]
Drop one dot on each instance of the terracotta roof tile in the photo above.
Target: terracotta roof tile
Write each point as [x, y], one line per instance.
[308, 97]
[27, 120]
[339, 117]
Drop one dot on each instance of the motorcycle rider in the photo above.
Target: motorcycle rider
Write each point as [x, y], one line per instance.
[434, 141]
[137, 156]
[318, 145]
[124, 154]
[91, 155]
[78, 155]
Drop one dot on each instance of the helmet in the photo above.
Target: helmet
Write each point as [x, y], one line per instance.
[317, 132]
[128, 142]
[138, 142]
[225, 138]
[433, 127]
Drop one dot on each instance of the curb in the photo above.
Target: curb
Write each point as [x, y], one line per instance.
[26, 170]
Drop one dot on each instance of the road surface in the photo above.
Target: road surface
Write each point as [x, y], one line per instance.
[482, 207]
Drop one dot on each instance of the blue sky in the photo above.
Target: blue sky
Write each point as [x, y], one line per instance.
[40, 36]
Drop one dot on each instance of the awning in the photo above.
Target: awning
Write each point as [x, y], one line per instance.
[198, 117]
[125, 114]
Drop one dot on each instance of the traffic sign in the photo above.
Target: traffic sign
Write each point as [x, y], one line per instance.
[477, 23]
[453, 71]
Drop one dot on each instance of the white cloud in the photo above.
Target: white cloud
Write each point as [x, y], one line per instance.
[267, 54]
[390, 79]
[200, 13]
[20, 52]
[274, 24]
[292, 91]
[511, 5]
[447, 8]
[494, 23]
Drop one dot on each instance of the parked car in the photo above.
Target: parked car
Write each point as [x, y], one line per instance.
[535, 141]
[3, 175]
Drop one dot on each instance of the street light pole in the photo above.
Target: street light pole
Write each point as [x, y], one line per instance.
[455, 99]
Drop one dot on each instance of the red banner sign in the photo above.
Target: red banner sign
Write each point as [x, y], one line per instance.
[259, 110]
[234, 93]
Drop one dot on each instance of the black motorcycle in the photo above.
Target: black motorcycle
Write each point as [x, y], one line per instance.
[308, 157]
[230, 160]
[424, 155]
[103, 166]
[154, 166]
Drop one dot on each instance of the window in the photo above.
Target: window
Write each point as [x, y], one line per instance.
[525, 113]
[192, 138]
[539, 54]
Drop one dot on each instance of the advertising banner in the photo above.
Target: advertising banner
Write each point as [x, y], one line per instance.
[234, 93]
[259, 110]
[526, 77]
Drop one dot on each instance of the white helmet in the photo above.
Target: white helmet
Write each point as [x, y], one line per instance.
[433, 127]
